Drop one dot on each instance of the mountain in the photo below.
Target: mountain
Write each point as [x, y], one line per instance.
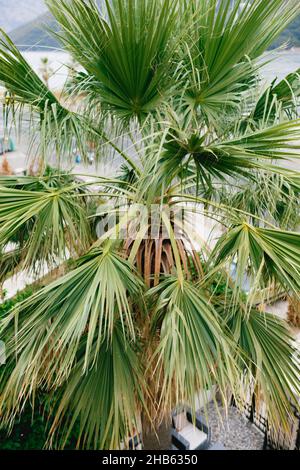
[14, 13]
[28, 30]
[35, 34]
[291, 35]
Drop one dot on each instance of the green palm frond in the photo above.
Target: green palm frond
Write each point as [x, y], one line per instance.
[10, 262]
[207, 161]
[286, 92]
[273, 360]
[168, 89]
[106, 401]
[124, 46]
[265, 255]
[22, 82]
[69, 336]
[56, 126]
[103, 403]
[227, 37]
[267, 197]
[291, 176]
[279, 141]
[86, 302]
[52, 219]
[294, 181]
[235, 157]
[194, 353]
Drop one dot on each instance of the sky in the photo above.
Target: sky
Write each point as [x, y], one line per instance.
[14, 13]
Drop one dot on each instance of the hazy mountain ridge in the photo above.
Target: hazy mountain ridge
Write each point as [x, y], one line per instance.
[291, 35]
[14, 13]
[33, 34]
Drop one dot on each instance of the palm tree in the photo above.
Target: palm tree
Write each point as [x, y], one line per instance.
[151, 312]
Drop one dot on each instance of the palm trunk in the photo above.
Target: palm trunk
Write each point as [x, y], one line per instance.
[158, 439]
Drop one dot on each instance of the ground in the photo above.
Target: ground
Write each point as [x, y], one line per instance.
[235, 432]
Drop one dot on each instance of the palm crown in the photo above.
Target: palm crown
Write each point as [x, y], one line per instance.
[140, 323]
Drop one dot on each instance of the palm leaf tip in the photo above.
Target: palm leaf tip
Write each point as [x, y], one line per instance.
[19, 78]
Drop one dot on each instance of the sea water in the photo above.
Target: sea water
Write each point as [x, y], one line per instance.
[280, 64]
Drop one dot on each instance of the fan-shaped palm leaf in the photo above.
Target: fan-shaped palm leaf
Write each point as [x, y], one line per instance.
[194, 352]
[237, 156]
[264, 254]
[103, 402]
[272, 357]
[85, 302]
[124, 46]
[53, 217]
[226, 38]
[106, 401]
